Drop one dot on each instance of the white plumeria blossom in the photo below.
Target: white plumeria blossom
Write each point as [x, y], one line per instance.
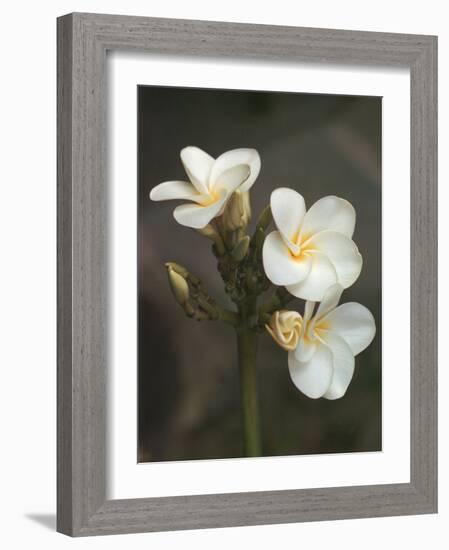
[311, 250]
[322, 364]
[212, 182]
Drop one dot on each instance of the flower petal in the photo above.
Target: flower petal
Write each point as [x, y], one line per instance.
[280, 267]
[329, 302]
[341, 251]
[321, 276]
[232, 178]
[172, 190]
[247, 157]
[305, 349]
[285, 328]
[329, 213]
[197, 164]
[354, 323]
[288, 319]
[308, 312]
[288, 210]
[343, 365]
[196, 216]
[314, 376]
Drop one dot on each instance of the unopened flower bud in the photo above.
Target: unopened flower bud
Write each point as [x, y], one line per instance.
[245, 204]
[208, 231]
[211, 233]
[237, 213]
[241, 248]
[178, 268]
[179, 286]
[285, 328]
[265, 218]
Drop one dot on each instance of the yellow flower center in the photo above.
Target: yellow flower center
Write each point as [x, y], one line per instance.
[211, 198]
[303, 246]
[314, 330]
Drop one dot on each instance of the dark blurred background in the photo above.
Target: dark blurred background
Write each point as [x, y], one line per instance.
[188, 394]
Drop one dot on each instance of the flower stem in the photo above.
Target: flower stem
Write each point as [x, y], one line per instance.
[247, 351]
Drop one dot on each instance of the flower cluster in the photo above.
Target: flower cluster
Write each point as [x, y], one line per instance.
[313, 255]
[310, 253]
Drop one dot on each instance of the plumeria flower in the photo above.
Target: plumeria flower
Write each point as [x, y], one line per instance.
[322, 363]
[212, 182]
[313, 250]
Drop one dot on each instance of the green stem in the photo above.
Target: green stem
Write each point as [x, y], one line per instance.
[247, 351]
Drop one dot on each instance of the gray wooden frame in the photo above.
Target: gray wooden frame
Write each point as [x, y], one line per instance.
[83, 40]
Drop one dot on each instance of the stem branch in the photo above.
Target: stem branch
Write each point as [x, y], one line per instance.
[247, 355]
[278, 301]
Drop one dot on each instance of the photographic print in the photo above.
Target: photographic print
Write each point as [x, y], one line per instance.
[259, 274]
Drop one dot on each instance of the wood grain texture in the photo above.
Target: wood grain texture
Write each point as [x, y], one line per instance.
[64, 278]
[83, 40]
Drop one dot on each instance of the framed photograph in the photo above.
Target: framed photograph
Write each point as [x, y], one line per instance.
[247, 274]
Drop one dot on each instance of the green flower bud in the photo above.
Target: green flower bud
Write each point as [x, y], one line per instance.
[179, 286]
[211, 233]
[177, 268]
[265, 218]
[241, 248]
